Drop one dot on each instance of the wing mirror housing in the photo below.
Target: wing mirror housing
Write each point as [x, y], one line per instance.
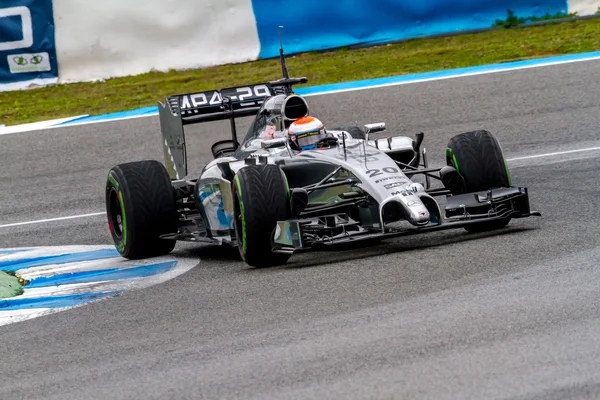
[278, 142]
[372, 128]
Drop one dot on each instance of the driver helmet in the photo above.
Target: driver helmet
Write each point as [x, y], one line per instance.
[305, 132]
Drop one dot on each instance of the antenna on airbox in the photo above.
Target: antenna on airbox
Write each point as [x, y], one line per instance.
[284, 69]
[286, 82]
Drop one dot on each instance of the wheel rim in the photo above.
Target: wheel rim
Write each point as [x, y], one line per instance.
[115, 214]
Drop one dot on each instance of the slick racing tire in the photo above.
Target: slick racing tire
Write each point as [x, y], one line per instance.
[261, 199]
[140, 206]
[478, 158]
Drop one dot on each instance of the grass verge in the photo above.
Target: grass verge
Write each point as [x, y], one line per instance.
[418, 55]
[10, 285]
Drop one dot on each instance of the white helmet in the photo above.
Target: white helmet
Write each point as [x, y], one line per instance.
[305, 132]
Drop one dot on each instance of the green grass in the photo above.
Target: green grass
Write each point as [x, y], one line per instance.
[419, 55]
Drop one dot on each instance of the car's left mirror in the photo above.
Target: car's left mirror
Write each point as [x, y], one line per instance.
[278, 142]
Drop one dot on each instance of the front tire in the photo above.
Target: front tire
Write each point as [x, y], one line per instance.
[478, 158]
[140, 206]
[261, 198]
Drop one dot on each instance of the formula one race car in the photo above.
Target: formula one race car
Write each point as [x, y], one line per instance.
[271, 198]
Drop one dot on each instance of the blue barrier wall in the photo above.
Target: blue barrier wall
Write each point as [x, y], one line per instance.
[95, 44]
[27, 48]
[322, 24]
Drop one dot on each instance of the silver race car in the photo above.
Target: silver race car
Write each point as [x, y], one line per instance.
[269, 197]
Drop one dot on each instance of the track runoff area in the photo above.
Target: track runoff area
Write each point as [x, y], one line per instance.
[92, 265]
[452, 315]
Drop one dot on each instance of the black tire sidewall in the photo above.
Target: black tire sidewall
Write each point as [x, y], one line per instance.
[113, 187]
[478, 158]
[261, 196]
[148, 206]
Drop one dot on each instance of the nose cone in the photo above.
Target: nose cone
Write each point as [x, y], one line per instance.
[417, 212]
[409, 208]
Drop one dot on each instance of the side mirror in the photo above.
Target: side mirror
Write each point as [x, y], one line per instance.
[278, 142]
[372, 128]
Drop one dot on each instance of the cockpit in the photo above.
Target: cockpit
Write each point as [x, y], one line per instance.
[274, 117]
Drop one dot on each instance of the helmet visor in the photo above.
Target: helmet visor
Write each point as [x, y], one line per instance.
[308, 139]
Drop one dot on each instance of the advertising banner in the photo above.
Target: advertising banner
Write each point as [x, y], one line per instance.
[27, 47]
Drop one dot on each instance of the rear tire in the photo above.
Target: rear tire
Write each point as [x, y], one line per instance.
[261, 198]
[140, 206]
[478, 158]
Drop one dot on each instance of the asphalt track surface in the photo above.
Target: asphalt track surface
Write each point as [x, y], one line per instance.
[451, 315]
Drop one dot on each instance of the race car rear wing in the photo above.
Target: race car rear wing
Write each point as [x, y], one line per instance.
[212, 105]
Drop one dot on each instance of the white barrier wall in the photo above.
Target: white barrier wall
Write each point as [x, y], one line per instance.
[583, 7]
[91, 40]
[111, 38]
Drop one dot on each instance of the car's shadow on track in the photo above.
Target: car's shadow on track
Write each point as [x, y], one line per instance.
[215, 253]
[352, 251]
[391, 246]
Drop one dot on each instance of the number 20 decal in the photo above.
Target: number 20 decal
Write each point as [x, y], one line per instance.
[386, 170]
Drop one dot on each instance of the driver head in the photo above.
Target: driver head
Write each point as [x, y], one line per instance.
[305, 132]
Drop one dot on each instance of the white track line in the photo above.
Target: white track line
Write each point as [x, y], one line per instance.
[41, 221]
[499, 69]
[558, 153]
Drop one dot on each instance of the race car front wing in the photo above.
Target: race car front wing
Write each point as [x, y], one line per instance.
[461, 210]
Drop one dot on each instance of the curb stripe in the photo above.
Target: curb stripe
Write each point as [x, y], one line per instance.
[58, 259]
[54, 302]
[139, 112]
[446, 74]
[6, 252]
[376, 82]
[102, 275]
[64, 277]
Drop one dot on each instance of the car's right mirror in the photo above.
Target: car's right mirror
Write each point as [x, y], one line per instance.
[372, 128]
